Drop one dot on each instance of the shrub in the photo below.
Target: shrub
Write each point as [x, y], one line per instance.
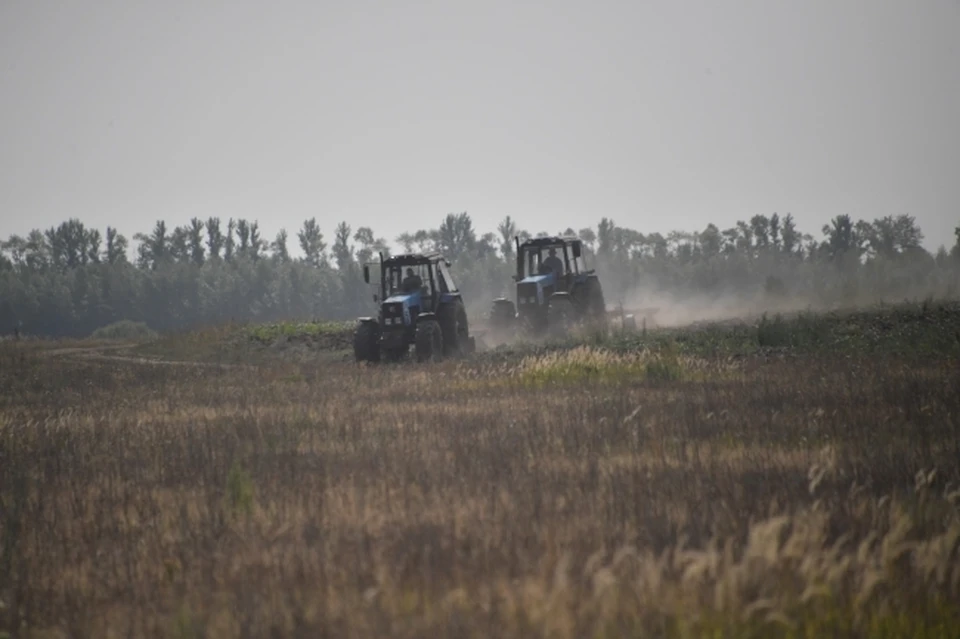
[125, 329]
[665, 367]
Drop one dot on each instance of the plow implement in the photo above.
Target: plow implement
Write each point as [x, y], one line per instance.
[632, 318]
[618, 318]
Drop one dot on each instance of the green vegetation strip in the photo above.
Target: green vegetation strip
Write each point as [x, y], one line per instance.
[926, 330]
[269, 333]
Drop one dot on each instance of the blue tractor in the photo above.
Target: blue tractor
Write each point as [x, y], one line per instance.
[420, 305]
[555, 290]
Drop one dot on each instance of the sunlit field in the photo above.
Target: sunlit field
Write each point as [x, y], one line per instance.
[793, 478]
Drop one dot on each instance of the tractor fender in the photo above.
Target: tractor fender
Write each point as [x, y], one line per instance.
[367, 320]
[429, 315]
[559, 295]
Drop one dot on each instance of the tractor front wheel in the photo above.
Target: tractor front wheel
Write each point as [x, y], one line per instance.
[366, 342]
[560, 316]
[503, 315]
[429, 341]
[395, 354]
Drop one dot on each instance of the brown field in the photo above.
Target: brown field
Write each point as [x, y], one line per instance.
[581, 494]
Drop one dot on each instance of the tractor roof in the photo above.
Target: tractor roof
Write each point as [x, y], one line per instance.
[550, 240]
[413, 259]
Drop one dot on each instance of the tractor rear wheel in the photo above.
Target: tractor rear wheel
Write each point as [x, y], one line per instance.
[596, 305]
[366, 342]
[456, 332]
[464, 341]
[429, 341]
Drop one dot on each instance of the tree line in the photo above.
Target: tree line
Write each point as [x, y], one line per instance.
[70, 279]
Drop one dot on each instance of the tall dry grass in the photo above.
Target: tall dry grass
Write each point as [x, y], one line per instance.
[811, 497]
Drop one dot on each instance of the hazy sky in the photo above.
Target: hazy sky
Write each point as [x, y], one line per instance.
[662, 115]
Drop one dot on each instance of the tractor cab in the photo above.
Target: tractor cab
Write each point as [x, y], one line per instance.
[410, 284]
[407, 288]
[557, 258]
[420, 281]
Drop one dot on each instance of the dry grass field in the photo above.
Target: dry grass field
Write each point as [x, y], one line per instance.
[660, 490]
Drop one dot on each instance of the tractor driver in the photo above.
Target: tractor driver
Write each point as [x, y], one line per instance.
[552, 263]
[412, 282]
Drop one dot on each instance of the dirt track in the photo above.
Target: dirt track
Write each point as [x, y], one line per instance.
[98, 353]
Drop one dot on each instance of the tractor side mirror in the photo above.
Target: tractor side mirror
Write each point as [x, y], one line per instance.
[576, 250]
[366, 273]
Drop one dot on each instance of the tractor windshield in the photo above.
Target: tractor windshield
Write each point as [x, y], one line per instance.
[408, 279]
[538, 260]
